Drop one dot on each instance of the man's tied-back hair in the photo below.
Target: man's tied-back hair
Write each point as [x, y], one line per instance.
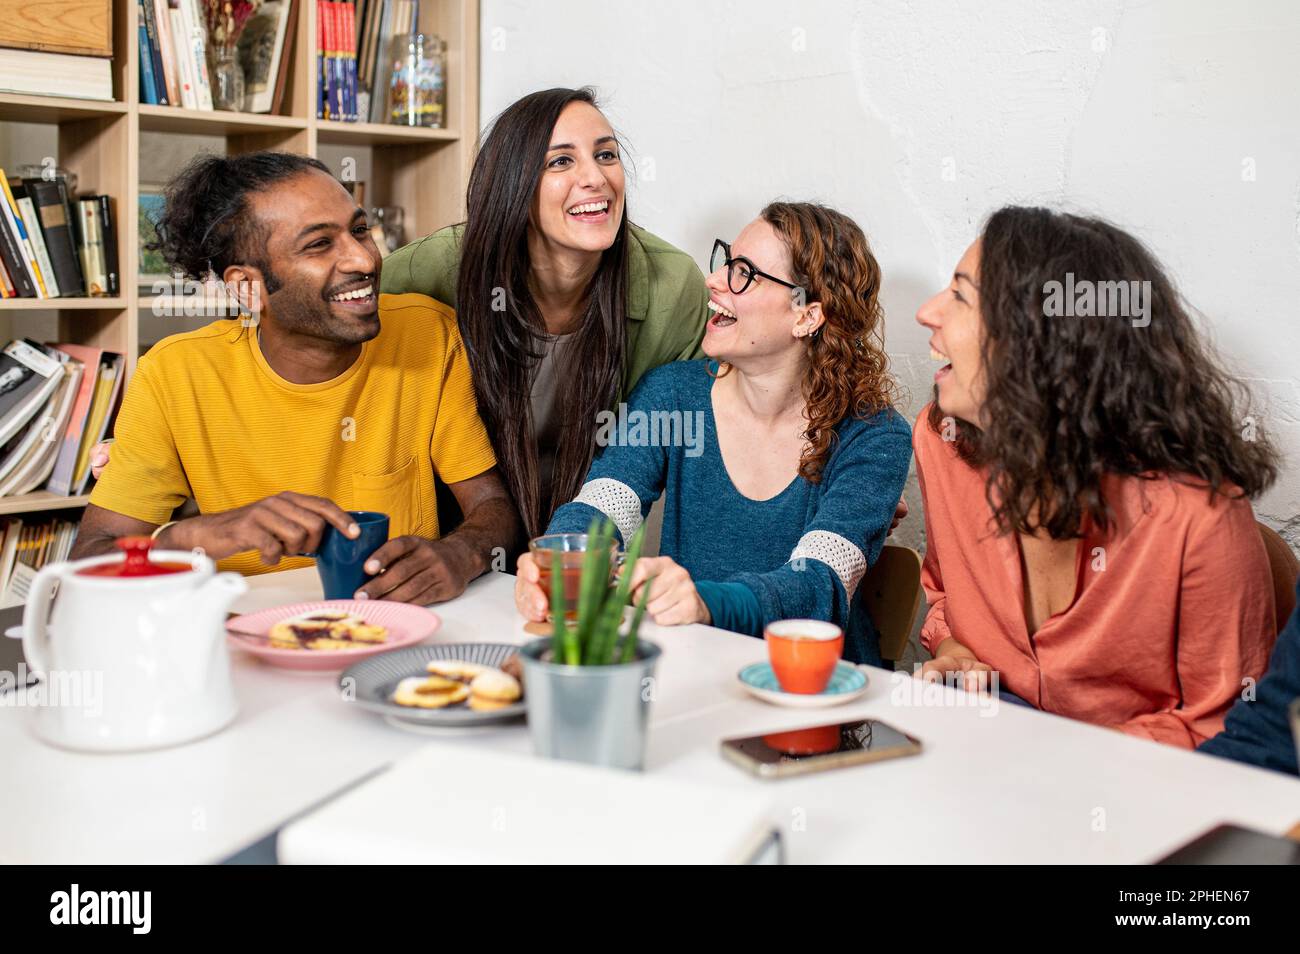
[206, 223]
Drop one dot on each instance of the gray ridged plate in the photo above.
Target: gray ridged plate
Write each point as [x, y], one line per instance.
[375, 679]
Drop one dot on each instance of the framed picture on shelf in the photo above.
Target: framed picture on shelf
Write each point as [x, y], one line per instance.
[153, 267]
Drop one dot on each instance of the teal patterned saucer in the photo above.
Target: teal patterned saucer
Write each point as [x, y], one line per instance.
[848, 682]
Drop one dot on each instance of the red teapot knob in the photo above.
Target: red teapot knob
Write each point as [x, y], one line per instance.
[137, 556]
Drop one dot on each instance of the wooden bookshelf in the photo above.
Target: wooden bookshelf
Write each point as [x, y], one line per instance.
[39, 500]
[423, 171]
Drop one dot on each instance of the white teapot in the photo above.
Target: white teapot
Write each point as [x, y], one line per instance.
[134, 653]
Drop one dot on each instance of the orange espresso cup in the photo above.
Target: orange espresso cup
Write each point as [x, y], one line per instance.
[803, 653]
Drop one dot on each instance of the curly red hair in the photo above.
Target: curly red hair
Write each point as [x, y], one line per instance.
[849, 372]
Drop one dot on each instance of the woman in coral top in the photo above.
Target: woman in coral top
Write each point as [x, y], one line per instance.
[1086, 468]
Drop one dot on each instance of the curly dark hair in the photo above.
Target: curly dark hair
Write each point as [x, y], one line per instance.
[206, 224]
[848, 373]
[1069, 399]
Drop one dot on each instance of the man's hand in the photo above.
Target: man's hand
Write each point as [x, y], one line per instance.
[287, 524]
[417, 570]
[99, 457]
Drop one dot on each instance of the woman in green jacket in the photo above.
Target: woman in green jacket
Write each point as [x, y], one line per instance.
[563, 304]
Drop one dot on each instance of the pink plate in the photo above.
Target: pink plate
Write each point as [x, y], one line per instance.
[406, 625]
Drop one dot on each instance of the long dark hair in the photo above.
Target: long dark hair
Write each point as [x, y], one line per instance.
[502, 326]
[1069, 399]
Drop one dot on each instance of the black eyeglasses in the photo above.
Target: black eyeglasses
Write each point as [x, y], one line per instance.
[740, 271]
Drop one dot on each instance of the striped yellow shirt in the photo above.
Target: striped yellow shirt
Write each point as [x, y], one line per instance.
[206, 417]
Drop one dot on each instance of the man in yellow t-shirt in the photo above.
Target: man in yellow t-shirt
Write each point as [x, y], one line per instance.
[336, 398]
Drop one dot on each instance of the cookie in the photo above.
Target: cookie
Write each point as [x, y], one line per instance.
[325, 630]
[290, 633]
[457, 669]
[512, 666]
[480, 704]
[418, 692]
[364, 632]
[494, 685]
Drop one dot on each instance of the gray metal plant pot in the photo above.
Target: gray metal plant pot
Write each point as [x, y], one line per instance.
[593, 714]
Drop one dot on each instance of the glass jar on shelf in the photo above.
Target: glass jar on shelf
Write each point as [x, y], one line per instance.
[417, 91]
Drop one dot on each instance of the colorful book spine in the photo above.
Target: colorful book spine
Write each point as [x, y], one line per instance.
[335, 63]
[14, 219]
[151, 56]
[33, 224]
[148, 90]
[181, 54]
[322, 84]
[198, 53]
[11, 254]
[166, 51]
[350, 57]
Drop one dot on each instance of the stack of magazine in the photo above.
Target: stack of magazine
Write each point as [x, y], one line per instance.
[56, 404]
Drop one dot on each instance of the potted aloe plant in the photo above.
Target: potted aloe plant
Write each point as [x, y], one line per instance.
[589, 682]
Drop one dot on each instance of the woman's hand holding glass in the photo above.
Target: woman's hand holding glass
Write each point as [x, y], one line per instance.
[672, 601]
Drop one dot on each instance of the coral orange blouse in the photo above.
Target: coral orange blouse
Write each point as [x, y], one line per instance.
[1173, 613]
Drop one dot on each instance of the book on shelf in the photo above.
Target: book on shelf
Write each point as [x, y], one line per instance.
[56, 403]
[27, 210]
[322, 74]
[92, 360]
[146, 40]
[94, 265]
[264, 50]
[195, 43]
[180, 55]
[103, 404]
[49, 196]
[163, 57]
[13, 259]
[27, 546]
[28, 458]
[108, 230]
[29, 375]
[13, 221]
[338, 68]
[38, 73]
[173, 39]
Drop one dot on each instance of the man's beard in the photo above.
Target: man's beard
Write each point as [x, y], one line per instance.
[305, 312]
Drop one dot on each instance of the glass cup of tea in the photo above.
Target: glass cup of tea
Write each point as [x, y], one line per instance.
[572, 548]
[803, 653]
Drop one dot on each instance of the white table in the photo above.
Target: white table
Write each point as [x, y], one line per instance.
[1011, 786]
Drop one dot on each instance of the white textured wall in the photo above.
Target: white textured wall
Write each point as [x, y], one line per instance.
[1179, 119]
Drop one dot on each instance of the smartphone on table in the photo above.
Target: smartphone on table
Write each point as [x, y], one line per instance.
[819, 748]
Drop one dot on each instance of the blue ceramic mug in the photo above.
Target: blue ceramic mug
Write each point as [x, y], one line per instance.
[341, 561]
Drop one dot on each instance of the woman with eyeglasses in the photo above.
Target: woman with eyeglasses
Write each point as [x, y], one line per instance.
[563, 304]
[780, 508]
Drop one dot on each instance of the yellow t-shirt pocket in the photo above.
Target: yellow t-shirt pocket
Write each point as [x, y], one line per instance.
[396, 493]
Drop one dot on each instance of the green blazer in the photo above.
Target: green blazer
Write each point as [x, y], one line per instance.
[667, 303]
